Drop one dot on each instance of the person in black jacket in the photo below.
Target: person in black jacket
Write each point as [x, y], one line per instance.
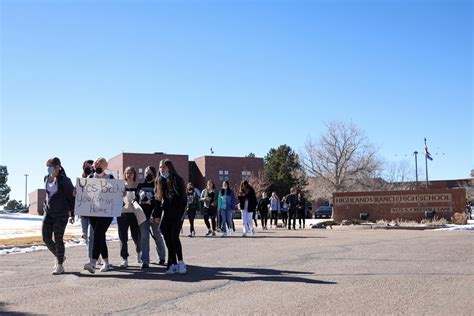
[145, 196]
[301, 208]
[247, 205]
[291, 201]
[192, 207]
[262, 208]
[170, 194]
[58, 207]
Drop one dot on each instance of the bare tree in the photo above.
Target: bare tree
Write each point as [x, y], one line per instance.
[398, 176]
[260, 183]
[342, 159]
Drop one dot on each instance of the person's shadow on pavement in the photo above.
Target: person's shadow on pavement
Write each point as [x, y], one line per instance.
[201, 273]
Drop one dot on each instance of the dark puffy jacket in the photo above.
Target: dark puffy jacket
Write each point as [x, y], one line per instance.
[61, 203]
[262, 206]
[291, 201]
[252, 200]
[174, 201]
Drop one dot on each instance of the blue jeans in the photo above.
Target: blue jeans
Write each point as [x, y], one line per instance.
[145, 241]
[226, 218]
[89, 231]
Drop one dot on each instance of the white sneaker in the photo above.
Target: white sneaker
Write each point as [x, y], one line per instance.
[224, 235]
[181, 267]
[58, 269]
[89, 267]
[244, 235]
[173, 269]
[124, 263]
[106, 267]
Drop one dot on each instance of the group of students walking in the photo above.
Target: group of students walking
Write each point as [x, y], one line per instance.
[156, 208]
[161, 199]
[218, 206]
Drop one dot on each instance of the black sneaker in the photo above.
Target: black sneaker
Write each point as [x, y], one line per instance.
[144, 266]
[162, 262]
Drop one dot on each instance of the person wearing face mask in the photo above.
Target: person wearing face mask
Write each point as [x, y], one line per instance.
[262, 208]
[145, 196]
[301, 210]
[169, 210]
[128, 219]
[225, 205]
[100, 225]
[192, 207]
[87, 230]
[58, 206]
[292, 201]
[208, 197]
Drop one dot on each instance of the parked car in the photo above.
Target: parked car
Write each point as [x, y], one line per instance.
[324, 211]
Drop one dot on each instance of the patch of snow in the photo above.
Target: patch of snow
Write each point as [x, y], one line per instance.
[18, 225]
[457, 227]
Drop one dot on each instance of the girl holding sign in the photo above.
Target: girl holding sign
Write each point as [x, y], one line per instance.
[87, 230]
[100, 225]
[58, 206]
[171, 199]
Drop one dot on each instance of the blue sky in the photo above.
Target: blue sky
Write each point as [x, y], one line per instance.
[81, 79]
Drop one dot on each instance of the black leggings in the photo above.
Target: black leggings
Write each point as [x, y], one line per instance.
[264, 218]
[301, 217]
[254, 217]
[124, 222]
[191, 216]
[170, 228]
[55, 225]
[100, 226]
[210, 213]
[291, 216]
[274, 218]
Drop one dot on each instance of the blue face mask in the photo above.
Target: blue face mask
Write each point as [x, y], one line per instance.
[165, 174]
[50, 170]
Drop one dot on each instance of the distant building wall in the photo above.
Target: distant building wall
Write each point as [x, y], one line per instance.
[36, 199]
[118, 163]
[232, 169]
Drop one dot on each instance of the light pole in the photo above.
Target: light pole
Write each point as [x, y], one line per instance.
[416, 167]
[26, 190]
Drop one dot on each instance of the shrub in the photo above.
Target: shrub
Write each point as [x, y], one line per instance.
[459, 218]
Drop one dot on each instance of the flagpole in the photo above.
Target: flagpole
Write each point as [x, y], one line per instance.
[416, 167]
[426, 164]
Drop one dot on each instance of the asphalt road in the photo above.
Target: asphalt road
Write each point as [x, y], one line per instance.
[339, 271]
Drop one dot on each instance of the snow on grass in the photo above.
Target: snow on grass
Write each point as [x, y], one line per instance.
[24, 226]
[457, 227]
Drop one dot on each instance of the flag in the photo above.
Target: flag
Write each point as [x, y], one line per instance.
[427, 153]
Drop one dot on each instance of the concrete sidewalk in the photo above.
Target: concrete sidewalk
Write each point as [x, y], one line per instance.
[275, 272]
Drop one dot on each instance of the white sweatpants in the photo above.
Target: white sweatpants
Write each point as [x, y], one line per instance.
[247, 222]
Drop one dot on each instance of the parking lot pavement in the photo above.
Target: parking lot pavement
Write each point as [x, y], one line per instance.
[275, 272]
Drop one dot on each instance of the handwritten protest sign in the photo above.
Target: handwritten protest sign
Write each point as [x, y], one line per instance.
[99, 197]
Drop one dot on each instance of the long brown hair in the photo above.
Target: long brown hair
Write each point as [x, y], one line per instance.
[170, 181]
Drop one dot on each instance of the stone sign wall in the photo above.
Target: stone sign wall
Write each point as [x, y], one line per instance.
[407, 204]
